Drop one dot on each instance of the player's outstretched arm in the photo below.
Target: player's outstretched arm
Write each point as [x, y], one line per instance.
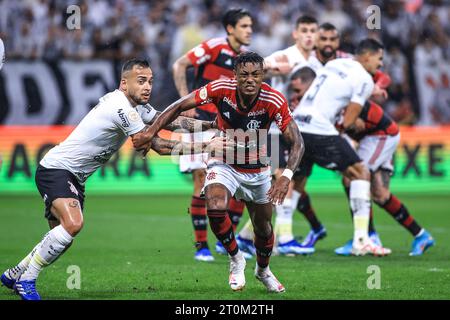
[294, 139]
[351, 114]
[143, 141]
[186, 123]
[172, 147]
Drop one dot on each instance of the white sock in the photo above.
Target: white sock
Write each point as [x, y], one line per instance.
[294, 199]
[51, 247]
[247, 231]
[283, 222]
[16, 272]
[360, 204]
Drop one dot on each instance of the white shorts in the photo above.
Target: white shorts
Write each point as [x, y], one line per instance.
[377, 151]
[195, 161]
[251, 187]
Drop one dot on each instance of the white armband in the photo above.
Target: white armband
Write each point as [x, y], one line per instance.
[288, 174]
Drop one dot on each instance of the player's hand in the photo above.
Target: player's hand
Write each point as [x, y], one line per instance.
[142, 141]
[378, 92]
[279, 190]
[190, 113]
[220, 145]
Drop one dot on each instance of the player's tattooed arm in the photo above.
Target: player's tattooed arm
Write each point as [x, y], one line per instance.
[188, 124]
[179, 76]
[172, 147]
[294, 139]
[351, 114]
[143, 141]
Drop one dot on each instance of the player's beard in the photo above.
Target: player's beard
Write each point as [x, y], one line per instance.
[327, 53]
[138, 99]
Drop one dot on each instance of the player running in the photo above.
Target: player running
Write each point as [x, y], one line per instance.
[212, 60]
[62, 173]
[246, 107]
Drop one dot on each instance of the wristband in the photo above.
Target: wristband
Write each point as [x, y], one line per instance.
[288, 174]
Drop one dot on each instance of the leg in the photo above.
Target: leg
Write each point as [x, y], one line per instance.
[261, 216]
[284, 215]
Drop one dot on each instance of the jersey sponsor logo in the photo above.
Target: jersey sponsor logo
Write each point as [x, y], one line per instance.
[133, 116]
[230, 103]
[256, 113]
[124, 119]
[203, 94]
[211, 175]
[253, 125]
[72, 187]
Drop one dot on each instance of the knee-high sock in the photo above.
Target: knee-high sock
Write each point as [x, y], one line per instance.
[247, 231]
[360, 204]
[235, 210]
[52, 246]
[263, 248]
[221, 226]
[371, 224]
[400, 213]
[304, 206]
[283, 221]
[199, 221]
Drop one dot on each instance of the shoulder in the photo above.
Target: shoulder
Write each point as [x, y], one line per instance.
[215, 42]
[230, 84]
[272, 96]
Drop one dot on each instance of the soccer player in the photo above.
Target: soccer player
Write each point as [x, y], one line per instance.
[279, 66]
[2, 54]
[246, 107]
[342, 84]
[212, 60]
[62, 173]
[378, 136]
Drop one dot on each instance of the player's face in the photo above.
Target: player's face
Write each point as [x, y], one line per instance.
[242, 31]
[305, 35]
[249, 77]
[374, 61]
[139, 84]
[297, 89]
[327, 42]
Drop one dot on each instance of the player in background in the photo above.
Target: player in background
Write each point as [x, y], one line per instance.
[62, 173]
[279, 66]
[212, 60]
[2, 54]
[246, 107]
[342, 84]
[378, 137]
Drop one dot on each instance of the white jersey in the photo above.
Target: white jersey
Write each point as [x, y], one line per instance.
[99, 135]
[295, 59]
[2, 54]
[340, 82]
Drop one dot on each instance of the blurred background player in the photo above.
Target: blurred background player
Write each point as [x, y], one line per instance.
[279, 66]
[245, 105]
[212, 60]
[341, 84]
[378, 137]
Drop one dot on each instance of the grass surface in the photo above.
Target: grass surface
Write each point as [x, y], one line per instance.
[141, 247]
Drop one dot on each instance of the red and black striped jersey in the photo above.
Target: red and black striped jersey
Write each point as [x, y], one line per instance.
[377, 122]
[248, 126]
[213, 60]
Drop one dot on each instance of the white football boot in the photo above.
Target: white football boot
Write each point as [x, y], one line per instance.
[363, 246]
[237, 275]
[268, 279]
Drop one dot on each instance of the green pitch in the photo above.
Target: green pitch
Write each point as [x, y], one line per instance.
[138, 247]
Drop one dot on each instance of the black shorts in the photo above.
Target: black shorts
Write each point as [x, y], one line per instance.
[330, 152]
[57, 183]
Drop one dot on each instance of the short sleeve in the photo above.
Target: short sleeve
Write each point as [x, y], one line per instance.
[147, 113]
[128, 120]
[283, 116]
[200, 54]
[362, 89]
[210, 92]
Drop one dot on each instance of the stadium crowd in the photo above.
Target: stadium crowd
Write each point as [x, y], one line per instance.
[163, 30]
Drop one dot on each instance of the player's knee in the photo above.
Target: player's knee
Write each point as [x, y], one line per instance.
[73, 227]
[216, 203]
[262, 229]
[360, 172]
[380, 195]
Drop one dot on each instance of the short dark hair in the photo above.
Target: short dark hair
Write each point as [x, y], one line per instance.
[232, 16]
[305, 19]
[248, 57]
[327, 26]
[305, 74]
[129, 64]
[368, 44]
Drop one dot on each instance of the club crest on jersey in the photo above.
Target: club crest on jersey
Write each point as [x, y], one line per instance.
[211, 175]
[124, 119]
[253, 125]
[72, 188]
[133, 116]
[203, 93]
